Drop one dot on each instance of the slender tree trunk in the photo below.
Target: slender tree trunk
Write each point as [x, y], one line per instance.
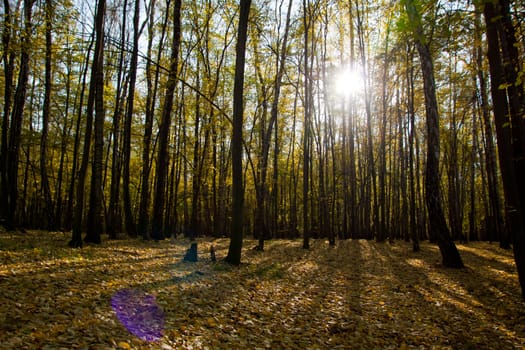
[46, 109]
[371, 206]
[13, 152]
[128, 215]
[157, 230]
[381, 230]
[152, 84]
[196, 178]
[65, 135]
[414, 233]
[281, 60]
[472, 189]
[78, 216]
[437, 223]
[508, 109]
[495, 214]
[8, 60]
[306, 128]
[113, 217]
[353, 225]
[69, 219]
[95, 214]
[234, 250]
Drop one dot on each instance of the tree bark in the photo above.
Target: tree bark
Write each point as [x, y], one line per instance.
[95, 214]
[235, 247]
[437, 223]
[495, 213]
[76, 239]
[152, 85]
[8, 60]
[113, 215]
[508, 108]
[306, 128]
[13, 151]
[157, 229]
[128, 215]
[414, 233]
[46, 109]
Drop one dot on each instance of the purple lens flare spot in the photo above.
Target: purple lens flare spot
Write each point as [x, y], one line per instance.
[139, 313]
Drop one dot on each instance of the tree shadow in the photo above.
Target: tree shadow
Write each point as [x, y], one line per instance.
[359, 294]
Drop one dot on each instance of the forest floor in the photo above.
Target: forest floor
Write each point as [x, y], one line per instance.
[132, 294]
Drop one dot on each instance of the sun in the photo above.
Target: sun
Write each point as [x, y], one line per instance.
[348, 82]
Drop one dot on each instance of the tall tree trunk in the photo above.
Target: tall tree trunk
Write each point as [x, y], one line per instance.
[65, 136]
[95, 214]
[235, 247]
[473, 159]
[8, 60]
[508, 109]
[437, 223]
[306, 129]
[46, 109]
[128, 215]
[371, 203]
[383, 204]
[495, 214]
[78, 215]
[13, 152]
[196, 178]
[152, 84]
[414, 233]
[267, 132]
[113, 217]
[353, 225]
[71, 208]
[157, 230]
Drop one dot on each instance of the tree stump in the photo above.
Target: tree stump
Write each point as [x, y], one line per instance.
[212, 254]
[191, 254]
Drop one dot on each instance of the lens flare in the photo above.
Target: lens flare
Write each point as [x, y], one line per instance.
[139, 313]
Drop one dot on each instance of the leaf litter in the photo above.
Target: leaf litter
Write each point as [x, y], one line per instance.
[357, 295]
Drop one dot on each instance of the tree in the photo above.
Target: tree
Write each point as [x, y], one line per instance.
[494, 214]
[235, 247]
[78, 216]
[437, 223]
[46, 109]
[306, 132]
[508, 107]
[8, 59]
[281, 55]
[113, 212]
[128, 217]
[17, 115]
[95, 215]
[152, 85]
[157, 229]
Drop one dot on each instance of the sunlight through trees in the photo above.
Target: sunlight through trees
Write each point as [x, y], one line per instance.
[119, 117]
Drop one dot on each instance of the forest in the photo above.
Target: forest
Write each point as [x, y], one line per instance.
[395, 122]
[386, 128]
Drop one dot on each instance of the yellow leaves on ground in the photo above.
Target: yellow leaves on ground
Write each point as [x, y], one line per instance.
[124, 345]
[358, 295]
